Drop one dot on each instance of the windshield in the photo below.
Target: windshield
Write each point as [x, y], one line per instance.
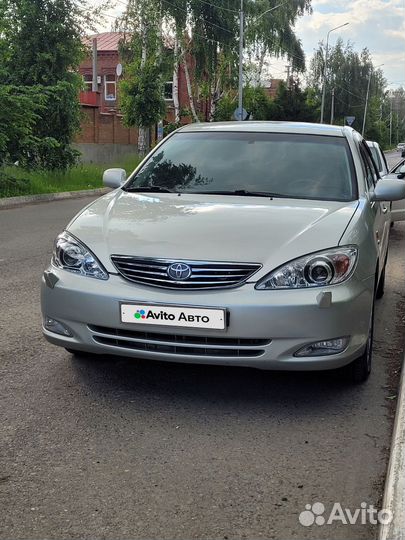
[283, 164]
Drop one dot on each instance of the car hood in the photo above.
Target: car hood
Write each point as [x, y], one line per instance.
[210, 227]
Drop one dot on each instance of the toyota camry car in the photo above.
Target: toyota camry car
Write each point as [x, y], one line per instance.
[397, 207]
[378, 157]
[224, 247]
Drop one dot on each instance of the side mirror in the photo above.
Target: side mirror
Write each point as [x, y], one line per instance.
[114, 178]
[389, 190]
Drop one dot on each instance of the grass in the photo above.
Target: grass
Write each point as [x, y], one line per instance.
[15, 181]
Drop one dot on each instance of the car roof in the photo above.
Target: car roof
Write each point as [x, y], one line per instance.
[269, 127]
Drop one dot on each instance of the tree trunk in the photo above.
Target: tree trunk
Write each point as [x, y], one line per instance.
[143, 139]
[176, 81]
[261, 64]
[215, 97]
[189, 91]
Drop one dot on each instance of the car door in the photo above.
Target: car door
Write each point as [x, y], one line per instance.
[398, 207]
[380, 210]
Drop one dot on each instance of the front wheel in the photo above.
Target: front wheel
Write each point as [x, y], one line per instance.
[360, 369]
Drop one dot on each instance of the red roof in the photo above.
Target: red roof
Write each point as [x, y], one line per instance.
[106, 41]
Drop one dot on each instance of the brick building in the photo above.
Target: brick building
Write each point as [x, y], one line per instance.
[103, 136]
[272, 87]
[102, 123]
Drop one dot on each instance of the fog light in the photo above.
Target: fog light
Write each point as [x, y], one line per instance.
[56, 327]
[324, 348]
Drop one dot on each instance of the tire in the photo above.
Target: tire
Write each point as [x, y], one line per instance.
[381, 284]
[359, 370]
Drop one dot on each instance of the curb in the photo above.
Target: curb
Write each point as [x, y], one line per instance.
[394, 495]
[15, 202]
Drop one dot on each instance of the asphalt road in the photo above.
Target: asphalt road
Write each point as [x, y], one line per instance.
[392, 158]
[128, 449]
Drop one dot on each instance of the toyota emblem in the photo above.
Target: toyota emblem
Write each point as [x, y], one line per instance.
[179, 271]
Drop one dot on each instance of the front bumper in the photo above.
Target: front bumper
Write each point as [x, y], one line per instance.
[265, 328]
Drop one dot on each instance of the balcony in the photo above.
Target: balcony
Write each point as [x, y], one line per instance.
[90, 99]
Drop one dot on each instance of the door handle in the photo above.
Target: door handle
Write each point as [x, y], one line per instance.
[384, 209]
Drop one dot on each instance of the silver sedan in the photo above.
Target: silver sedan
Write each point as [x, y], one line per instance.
[226, 247]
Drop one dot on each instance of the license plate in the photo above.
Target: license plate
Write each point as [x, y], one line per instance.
[189, 317]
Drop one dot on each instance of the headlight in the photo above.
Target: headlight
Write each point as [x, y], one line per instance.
[328, 267]
[72, 255]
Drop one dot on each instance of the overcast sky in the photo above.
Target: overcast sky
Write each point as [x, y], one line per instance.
[378, 25]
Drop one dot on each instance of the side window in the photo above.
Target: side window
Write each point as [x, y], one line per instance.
[367, 168]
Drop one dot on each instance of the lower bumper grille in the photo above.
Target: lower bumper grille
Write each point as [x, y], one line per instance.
[179, 344]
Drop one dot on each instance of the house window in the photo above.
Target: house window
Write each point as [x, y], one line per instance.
[168, 91]
[110, 87]
[88, 82]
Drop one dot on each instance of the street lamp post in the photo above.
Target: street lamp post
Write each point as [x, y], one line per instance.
[324, 68]
[240, 89]
[368, 93]
[241, 31]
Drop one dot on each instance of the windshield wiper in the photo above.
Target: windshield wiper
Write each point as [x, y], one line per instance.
[148, 189]
[245, 193]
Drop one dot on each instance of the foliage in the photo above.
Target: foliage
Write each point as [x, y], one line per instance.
[272, 31]
[142, 102]
[256, 101]
[348, 73]
[213, 28]
[393, 108]
[44, 40]
[291, 104]
[294, 104]
[19, 112]
[10, 186]
[16, 181]
[41, 41]
[225, 108]
[258, 104]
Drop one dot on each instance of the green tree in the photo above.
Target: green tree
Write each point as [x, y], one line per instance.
[142, 100]
[294, 104]
[348, 75]
[257, 103]
[42, 40]
[271, 31]
[20, 110]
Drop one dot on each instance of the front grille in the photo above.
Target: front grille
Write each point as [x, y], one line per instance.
[179, 344]
[203, 275]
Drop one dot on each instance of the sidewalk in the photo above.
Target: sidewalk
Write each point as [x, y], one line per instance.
[15, 202]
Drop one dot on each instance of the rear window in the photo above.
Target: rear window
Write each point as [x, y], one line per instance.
[290, 165]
